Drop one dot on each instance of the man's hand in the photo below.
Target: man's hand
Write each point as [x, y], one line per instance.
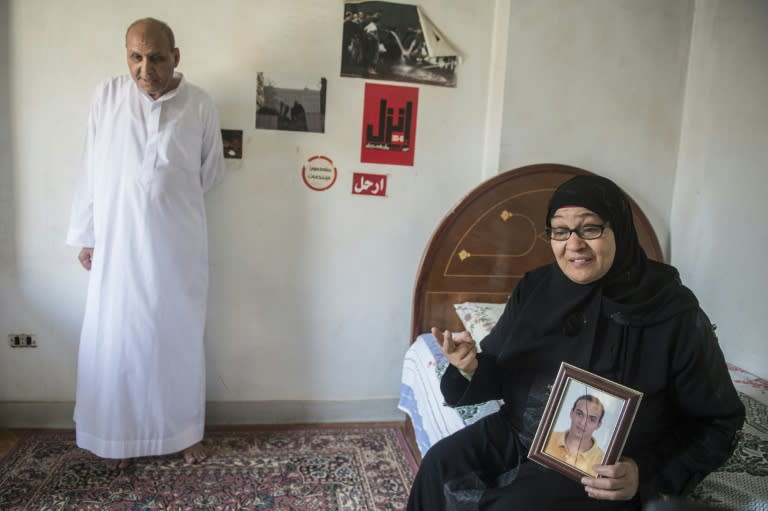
[85, 257]
[616, 482]
[460, 350]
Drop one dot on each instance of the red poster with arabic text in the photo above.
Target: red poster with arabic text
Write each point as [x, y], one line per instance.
[389, 124]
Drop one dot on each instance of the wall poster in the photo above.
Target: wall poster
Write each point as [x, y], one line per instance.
[397, 42]
[290, 102]
[389, 124]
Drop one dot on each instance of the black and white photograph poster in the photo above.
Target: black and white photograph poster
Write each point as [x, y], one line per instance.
[395, 42]
[290, 102]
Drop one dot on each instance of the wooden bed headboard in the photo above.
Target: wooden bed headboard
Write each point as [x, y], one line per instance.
[488, 241]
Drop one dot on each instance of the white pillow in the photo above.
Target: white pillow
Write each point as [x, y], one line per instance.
[479, 318]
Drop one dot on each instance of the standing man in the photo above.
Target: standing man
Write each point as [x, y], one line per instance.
[153, 148]
[577, 446]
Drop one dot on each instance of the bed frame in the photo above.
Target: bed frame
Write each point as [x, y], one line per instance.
[488, 241]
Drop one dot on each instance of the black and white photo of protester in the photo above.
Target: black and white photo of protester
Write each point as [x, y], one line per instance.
[290, 103]
[397, 42]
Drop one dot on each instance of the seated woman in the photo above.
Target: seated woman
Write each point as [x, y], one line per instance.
[604, 307]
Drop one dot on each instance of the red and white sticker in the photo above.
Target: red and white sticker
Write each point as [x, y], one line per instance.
[369, 184]
[319, 173]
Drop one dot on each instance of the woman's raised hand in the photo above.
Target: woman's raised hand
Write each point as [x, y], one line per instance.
[459, 349]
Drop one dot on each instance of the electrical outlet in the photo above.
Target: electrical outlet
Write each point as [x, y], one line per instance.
[22, 340]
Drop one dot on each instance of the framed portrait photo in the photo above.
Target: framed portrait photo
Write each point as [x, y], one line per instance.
[586, 422]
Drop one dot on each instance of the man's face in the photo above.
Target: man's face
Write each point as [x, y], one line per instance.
[585, 418]
[151, 60]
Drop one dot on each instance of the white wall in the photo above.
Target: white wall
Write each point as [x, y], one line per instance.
[599, 84]
[310, 295]
[719, 236]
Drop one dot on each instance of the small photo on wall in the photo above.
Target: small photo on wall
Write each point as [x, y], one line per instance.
[232, 140]
[290, 103]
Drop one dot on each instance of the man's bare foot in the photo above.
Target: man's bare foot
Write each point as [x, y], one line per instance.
[194, 454]
[114, 465]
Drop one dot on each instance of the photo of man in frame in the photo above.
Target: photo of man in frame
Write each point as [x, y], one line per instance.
[583, 427]
[576, 445]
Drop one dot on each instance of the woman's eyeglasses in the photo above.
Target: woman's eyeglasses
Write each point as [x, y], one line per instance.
[585, 232]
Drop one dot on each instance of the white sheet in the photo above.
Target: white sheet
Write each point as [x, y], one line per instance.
[420, 396]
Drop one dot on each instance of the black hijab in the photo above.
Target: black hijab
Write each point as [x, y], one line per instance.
[634, 291]
[601, 195]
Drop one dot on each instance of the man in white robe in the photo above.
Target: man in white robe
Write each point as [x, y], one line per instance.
[153, 148]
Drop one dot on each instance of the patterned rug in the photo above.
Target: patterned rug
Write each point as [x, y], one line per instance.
[294, 469]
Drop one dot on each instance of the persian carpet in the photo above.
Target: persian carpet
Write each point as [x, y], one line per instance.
[288, 469]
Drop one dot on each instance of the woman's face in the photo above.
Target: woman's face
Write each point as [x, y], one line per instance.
[582, 261]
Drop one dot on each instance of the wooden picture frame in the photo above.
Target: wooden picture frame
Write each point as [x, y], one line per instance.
[582, 403]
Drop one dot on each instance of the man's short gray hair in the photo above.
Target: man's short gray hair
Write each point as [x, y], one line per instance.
[163, 26]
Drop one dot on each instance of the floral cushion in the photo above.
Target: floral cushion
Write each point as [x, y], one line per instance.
[479, 318]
